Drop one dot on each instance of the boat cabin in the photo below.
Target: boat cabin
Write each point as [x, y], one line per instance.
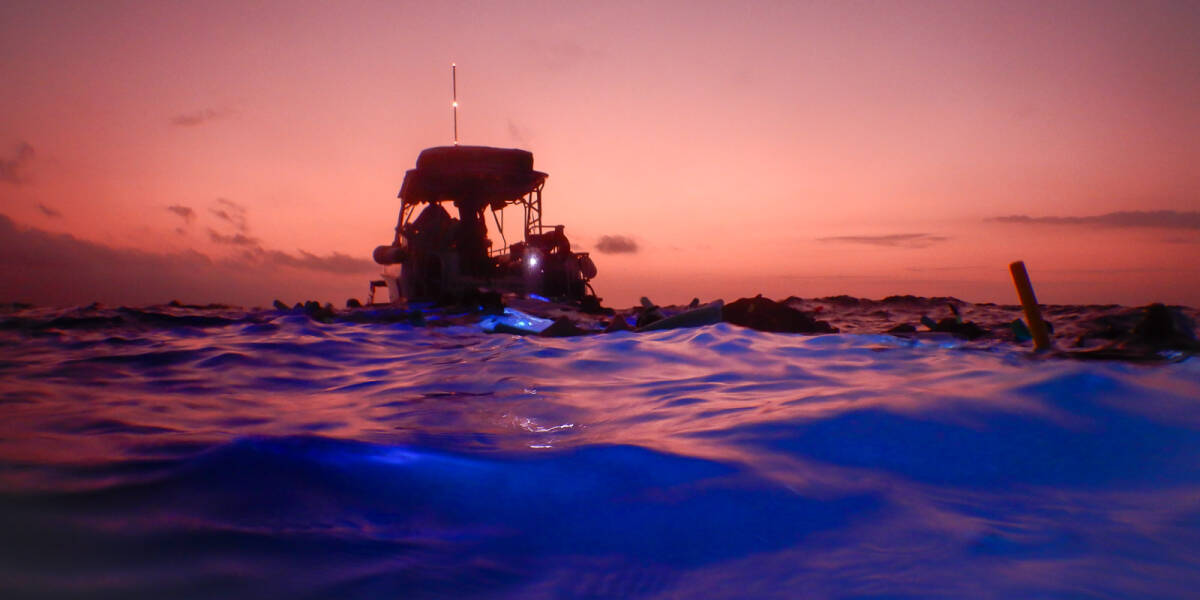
[437, 254]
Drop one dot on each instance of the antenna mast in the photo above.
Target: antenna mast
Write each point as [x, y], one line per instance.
[454, 98]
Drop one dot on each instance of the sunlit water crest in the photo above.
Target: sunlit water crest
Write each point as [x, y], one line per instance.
[220, 453]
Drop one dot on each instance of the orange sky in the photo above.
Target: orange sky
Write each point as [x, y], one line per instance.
[784, 148]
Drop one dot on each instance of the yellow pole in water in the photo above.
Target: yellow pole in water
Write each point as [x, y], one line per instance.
[1033, 315]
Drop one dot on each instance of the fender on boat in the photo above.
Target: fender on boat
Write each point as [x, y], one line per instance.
[389, 255]
[587, 268]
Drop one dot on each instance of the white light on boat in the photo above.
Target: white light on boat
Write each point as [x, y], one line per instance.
[533, 262]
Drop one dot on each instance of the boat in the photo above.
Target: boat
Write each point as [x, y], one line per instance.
[438, 256]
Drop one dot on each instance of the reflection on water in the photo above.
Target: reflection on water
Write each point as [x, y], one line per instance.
[220, 453]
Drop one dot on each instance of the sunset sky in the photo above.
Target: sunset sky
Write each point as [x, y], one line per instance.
[239, 151]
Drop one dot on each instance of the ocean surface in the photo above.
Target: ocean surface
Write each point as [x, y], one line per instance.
[170, 452]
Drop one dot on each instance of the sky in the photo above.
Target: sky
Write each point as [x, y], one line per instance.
[239, 152]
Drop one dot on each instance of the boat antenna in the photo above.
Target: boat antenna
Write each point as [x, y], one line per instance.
[454, 98]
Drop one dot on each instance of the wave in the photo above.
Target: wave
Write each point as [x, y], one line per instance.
[266, 454]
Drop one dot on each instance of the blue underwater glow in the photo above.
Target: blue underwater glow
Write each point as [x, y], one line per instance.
[190, 453]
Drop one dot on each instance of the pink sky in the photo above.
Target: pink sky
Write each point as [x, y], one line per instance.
[785, 148]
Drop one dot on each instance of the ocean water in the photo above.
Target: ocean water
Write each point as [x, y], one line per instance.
[223, 453]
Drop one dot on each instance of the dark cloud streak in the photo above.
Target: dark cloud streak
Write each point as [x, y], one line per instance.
[233, 213]
[185, 212]
[616, 244]
[237, 239]
[1149, 219]
[12, 170]
[334, 263]
[58, 269]
[895, 240]
[49, 211]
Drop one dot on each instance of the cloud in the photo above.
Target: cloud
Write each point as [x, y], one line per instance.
[334, 263]
[57, 269]
[235, 214]
[12, 170]
[232, 213]
[1153, 219]
[895, 240]
[940, 269]
[616, 244]
[237, 239]
[199, 117]
[48, 211]
[185, 212]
